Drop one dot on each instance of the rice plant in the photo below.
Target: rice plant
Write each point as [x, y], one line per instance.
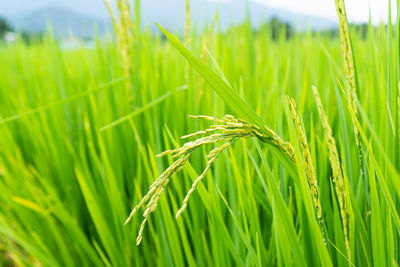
[296, 176]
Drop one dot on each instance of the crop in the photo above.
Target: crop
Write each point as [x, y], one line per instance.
[295, 176]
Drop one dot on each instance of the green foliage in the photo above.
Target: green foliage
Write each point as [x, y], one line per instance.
[4, 27]
[279, 28]
[76, 155]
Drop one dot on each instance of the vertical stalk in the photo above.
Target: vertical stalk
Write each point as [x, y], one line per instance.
[350, 72]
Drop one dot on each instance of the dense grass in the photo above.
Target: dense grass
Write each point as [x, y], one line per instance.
[68, 179]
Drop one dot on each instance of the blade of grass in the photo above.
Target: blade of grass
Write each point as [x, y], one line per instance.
[234, 101]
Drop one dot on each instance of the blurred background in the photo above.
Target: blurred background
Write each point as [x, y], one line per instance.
[84, 19]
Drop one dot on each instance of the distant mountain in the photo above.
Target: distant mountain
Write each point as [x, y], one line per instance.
[169, 13]
[62, 22]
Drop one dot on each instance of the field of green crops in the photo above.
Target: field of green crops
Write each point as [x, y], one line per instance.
[78, 140]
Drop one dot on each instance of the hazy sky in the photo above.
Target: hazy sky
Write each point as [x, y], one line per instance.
[357, 10]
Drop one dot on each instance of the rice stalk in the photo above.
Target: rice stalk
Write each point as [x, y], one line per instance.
[226, 130]
[112, 15]
[350, 71]
[186, 41]
[207, 38]
[204, 51]
[137, 16]
[187, 23]
[307, 161]
[124, 32]
[336, 169]
[346, 46]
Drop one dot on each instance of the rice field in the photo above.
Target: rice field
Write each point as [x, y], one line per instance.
[290, 155]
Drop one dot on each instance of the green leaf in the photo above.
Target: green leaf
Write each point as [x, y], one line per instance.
[231, 98]
[235, 102]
